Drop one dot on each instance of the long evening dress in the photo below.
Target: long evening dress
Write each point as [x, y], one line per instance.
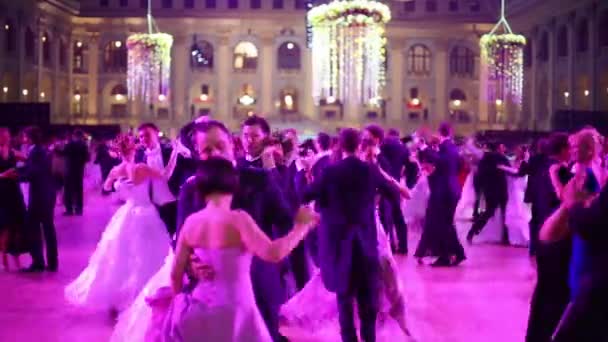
[221, 310]
[12, 210]
[132, 248]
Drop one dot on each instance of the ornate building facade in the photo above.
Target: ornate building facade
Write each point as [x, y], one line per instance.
[231, 58]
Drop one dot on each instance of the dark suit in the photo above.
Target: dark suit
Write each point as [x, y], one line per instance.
[393, 159]
[76, 156]
[586, 318]
[41, 204]
[439, 236]
[312, 239]
[286, 179]
[184, 168]
[552, 292]
[260, 197]
[493, 185]
[348, 243]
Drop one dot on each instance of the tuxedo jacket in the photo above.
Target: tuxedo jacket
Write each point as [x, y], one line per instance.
[260, 197]
[184, 167]
[38, 173]
[345, 193]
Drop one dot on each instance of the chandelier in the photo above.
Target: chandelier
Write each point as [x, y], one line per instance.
[348, 51]
[502, 59]
[149, 63]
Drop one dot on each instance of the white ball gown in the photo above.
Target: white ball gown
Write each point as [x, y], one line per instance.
[312, 314]
[132, 248]
[517, 217]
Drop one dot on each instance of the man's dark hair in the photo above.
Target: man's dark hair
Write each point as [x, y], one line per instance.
[445, 130]
[149, 125]
[394, 133]
[492, 146]
[216, 175]
[376, 131]
[34, 133]
[324, 141]
[350, 139]
[205, 126]
[558, 141]
[258, 120]
[79, 134]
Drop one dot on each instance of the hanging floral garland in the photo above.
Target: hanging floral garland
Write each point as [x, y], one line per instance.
[349, 50]
[149, 66]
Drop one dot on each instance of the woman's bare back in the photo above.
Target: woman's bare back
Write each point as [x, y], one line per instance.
[215, 228]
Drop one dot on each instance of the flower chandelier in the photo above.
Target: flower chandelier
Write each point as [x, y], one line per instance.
[348, 50]
[149, 66]
[503, 57]
[149, 63]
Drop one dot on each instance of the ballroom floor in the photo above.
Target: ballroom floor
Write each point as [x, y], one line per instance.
[486, 299]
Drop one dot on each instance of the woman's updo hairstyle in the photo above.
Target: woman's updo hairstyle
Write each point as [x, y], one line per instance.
[216, 175]
[124, 144]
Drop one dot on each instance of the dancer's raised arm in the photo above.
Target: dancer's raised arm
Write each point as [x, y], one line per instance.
[274, 251]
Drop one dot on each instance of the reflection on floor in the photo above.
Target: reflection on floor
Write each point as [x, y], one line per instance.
[486, 299]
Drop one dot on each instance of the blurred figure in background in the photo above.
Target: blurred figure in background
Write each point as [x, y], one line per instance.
[76, 157]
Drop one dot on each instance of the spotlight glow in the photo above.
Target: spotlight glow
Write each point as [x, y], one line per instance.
[118, 43]
[5, 90]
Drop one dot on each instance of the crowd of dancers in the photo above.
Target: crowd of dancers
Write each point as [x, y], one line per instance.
[226, 237]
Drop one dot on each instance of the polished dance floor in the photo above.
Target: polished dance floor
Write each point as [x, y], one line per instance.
[486, 299]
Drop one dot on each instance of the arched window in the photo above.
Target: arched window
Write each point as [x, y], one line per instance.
[562, 41]
[462, 61]
[62, 53]
[201, 55]
[289, 56]
[603, 27]
[30, 45]
[118, 101]
[457, 94]
[115, 57]
[245, 56]
[419, 60]
[79, 65]
[543, 49]
[582, 36]
[47, 57]
[10, 41]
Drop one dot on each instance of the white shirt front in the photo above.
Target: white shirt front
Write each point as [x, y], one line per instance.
[161, 194]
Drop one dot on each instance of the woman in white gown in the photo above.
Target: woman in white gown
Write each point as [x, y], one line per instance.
[133, 245]
[517, 213]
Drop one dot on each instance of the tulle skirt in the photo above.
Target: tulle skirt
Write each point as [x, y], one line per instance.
[131, 249]
[517, 215]
[142, 321]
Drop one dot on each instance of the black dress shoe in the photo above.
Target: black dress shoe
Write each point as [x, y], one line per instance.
[470, 236]
[51, 268]
[33, 269]
[441, 262]
[458, 260]
[68, 213]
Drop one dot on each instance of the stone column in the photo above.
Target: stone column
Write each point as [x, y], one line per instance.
[395, 79]
[56, 103]
[308, 107]
[223, 91]
[34, 94]
[179, 68]
[267, 71]
[93, 69]
[592, 56]
[441, 74]
[533, 81]
[551, 76]
[21, 60]
[70, 95]
[571, 64]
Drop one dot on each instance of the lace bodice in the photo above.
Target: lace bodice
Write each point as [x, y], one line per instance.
[232, 281]
[137, 194]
